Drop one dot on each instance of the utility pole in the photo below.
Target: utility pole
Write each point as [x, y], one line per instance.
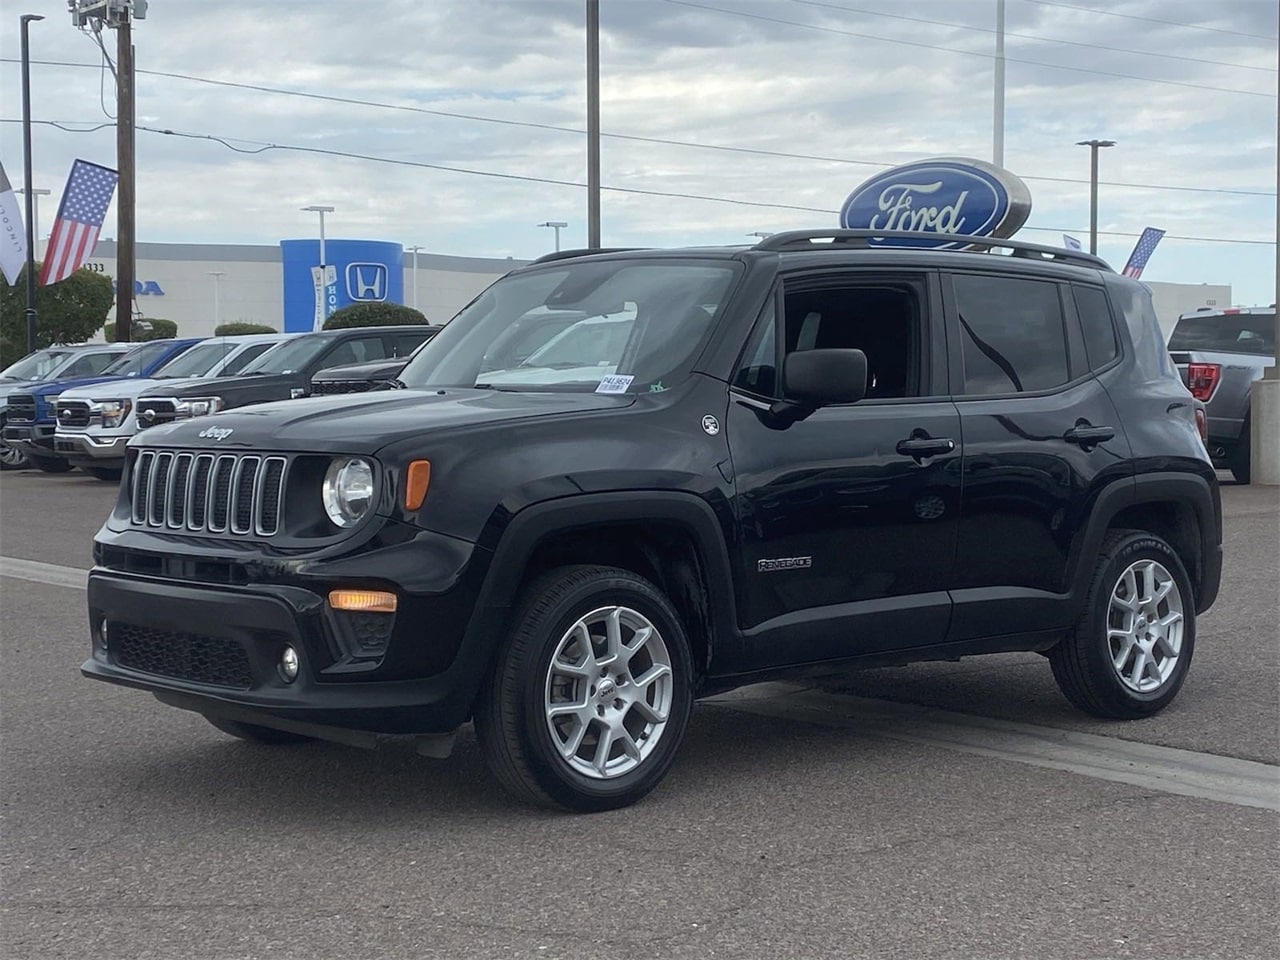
[26, 163]
[125, 225]
[997, 122]
[119, 16]
[593, 124]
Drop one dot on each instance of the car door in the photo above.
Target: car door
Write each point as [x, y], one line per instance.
[1041, 438]
[847, 519]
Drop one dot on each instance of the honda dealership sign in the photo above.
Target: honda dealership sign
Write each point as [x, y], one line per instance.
[953, 197]
[358, 271]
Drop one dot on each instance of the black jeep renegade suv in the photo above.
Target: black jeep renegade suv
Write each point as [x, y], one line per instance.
[724, 464]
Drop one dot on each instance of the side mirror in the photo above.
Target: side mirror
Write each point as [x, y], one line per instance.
[819, 378]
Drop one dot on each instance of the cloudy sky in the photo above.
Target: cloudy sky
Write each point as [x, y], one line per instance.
[458, 125]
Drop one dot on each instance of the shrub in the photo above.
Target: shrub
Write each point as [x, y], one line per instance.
[144, 328]
[373, 315]
[69, 311]
[240, 329]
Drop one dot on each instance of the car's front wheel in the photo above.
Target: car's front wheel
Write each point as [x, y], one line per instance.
[1129, 653]
[591, 692]
[12, 458]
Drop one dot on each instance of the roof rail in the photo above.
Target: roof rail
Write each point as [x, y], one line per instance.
[860, 239]
[582, 252]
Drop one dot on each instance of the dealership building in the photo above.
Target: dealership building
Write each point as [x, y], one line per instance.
[200, 285]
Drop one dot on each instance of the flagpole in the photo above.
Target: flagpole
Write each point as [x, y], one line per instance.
[26, 170]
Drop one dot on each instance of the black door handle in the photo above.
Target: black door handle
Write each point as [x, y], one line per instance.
[1087, 435]
[920, 448]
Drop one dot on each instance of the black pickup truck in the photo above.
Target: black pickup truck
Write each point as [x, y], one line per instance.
[282, 373]
[731, 464]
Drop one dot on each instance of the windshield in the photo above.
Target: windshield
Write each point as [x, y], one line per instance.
[610, 326]
[1253, 333]
[197, 361]
[289, 356]
[135, 361]
[37, 366]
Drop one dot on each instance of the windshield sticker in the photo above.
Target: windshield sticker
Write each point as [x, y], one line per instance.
[614, 384]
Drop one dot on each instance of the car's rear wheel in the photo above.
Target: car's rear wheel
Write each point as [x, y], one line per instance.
[11, 458]
[50, 464]
[255, 733]
[1241, 459]
[110, 474]
[1129, 653]
[591, 692]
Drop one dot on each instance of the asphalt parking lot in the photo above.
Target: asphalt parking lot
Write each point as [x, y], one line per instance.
[940, 810]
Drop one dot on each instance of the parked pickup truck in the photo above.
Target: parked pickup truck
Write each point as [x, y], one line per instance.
[95, 422]
[31, 418]
[1219, 354]
[364, 377]
[282, 373]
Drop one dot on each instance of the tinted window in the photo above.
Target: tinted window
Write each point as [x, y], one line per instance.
[1012, 335]
[242, 359]
[290, 355]
[758, 372]
[89, 365]
[1253, 333]
[1097, 325]
[407, 343]
[35, 366]
[195, 362]
[354, 351]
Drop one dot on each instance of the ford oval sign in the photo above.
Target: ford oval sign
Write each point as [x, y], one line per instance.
[953, 197]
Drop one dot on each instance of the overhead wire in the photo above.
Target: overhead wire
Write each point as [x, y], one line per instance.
[634, 138]
[263, 147]
[1098, 11]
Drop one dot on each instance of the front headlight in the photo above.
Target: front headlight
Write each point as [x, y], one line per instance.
[114, 412]
[198, 406]
[348, 490]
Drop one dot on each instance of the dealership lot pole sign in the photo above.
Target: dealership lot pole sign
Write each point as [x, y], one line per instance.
[954, 197]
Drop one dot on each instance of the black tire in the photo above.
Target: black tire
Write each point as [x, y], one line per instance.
[256, 734]
[109, 474]
[1084, 662]
[12, 458]
[50, 464]
[1241, 458]
[518, 739]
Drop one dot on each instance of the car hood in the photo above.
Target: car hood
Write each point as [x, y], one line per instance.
[261, 385]
[129, 388]
[58, 387]
[372, 370]
[364, 423]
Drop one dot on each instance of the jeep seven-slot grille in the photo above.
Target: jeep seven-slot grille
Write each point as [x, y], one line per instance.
[22, 408]
[73, 413]
[206, 492]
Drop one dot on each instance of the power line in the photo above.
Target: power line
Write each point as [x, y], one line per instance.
[634, 138]
[1130, 16]
[967, 53]
[262, 147]
[1028, 36]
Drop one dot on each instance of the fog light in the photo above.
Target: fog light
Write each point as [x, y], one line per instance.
[289, 664]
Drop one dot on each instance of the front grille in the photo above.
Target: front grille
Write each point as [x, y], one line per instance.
[241, 494]
[152, 412]
[22, 408]
[216, 661]
[73, 413]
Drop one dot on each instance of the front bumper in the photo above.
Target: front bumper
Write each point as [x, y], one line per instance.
[217, 649]
[34, 438]
[86, 448]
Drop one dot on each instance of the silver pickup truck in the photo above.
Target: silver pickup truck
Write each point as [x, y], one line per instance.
[1219, 353]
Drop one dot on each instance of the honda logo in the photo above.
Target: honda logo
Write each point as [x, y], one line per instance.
[366, 281]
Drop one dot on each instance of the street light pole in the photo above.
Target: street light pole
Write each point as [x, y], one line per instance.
[593, 124]
[1093, 146]
[38, 192]
[320, 275]
[416, 248]
[26, 165]
[217, 306]
[556, 225]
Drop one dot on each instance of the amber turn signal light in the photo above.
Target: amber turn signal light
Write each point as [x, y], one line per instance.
[416, 480]
[363, 601]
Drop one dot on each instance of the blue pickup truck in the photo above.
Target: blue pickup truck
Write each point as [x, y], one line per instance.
[30, 417]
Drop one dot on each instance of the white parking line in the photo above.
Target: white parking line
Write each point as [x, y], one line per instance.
[51, 573]
[1185, 772]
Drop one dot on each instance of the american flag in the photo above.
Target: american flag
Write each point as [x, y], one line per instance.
[80, 215]
[1142, 252]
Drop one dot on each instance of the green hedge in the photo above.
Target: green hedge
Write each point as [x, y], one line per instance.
[144, 328]
[241, 329]
[374, 315]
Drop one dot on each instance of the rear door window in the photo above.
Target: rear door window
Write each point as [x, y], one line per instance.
[1013, 339]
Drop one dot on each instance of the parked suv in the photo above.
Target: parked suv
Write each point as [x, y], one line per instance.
[1219, 353]
[95, 422]
[281, 373]
[31, 420]
[813, 451]
[51, 363]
